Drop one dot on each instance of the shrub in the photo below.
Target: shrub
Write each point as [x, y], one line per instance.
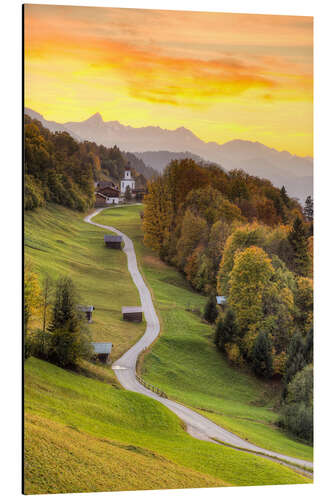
[262, 356]
[210, 312]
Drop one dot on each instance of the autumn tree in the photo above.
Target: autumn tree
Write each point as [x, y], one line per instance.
[193, 231]
[249, 279]
[157, 215]
[32, 294]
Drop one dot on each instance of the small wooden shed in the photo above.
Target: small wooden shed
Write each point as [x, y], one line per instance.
[113, 241]
[87, 310]
[221, 300]
[132, 313]
[102, 351]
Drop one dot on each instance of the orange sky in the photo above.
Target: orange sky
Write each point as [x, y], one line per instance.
[223, 76]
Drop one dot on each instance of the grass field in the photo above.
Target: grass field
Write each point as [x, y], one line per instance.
[184, 361]
[85, 435]
[58, 242]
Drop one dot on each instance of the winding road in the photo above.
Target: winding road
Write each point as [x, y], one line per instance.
[125, 369]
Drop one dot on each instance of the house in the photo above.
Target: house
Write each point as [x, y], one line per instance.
[107, 194]
[87, 310]
[221, 300]
[102, 351]
[132, 313]
[127, 181]
[113, 241]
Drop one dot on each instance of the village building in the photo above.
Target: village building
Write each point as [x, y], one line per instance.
[87, 310]
[132, 313]
[102, 351]
[113, 241]
[127, 181]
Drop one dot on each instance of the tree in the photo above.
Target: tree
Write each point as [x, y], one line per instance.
[298, 238]
[226, 330]
[249, 277]
[210, 312]
[295, 360]
[32, 294]
[128, 193]
[46, 299]
[194, 230]
[262, 361]
[69, 335]
[284, 196]
[308, 209]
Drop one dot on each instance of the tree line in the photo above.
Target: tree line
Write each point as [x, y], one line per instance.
[237, 236]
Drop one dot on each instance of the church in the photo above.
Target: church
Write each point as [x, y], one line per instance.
[127, 181]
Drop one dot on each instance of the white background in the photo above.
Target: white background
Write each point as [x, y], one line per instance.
[10, 198]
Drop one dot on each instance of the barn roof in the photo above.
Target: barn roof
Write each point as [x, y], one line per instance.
[102, 347]
[131, 309]
[86, 308]
[110, 238]
[221, 299]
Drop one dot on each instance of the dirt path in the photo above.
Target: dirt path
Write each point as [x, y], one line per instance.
[125, 369]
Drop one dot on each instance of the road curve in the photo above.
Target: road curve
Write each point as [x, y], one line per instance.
[125, 368]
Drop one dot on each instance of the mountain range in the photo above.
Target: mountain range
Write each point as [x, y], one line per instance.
[157, 146]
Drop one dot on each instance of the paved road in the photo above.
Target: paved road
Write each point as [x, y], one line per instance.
[125, 367]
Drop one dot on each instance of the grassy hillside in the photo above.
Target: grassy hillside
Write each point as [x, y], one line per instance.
[185, 363]
[58, 242]
[85, 435]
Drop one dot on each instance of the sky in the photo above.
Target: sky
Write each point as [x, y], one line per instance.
[223, 76]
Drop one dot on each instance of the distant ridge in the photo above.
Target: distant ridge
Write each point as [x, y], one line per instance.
[280, 167]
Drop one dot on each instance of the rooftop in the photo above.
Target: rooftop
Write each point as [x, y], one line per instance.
[102, 347]
[131, 309]
[86, 308]
[109, 238]
[221, 299]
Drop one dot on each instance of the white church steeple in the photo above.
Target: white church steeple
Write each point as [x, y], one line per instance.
[127, 180]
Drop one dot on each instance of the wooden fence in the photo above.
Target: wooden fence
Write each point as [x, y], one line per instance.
[151, 387]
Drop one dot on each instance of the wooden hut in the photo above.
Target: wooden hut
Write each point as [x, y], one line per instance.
[221, 300]
[87, 310]
[132, 313]
[113, 241]
[102, 351]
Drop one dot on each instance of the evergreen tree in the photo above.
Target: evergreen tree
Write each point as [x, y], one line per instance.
[308, 347]
[298, 239]
[308, 209]
[295, 360]
[128, 194]
[284, 196]
[69, 335]
[262, 356]
[226, 330]
[210, 312]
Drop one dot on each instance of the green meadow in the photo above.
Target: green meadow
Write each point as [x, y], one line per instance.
[60, 243]
[184, 361]
[87, 434]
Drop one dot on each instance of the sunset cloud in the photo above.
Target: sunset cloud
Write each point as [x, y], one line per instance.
[213, 65]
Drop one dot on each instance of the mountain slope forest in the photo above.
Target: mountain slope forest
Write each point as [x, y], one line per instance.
[239, 237]
[61, 170]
